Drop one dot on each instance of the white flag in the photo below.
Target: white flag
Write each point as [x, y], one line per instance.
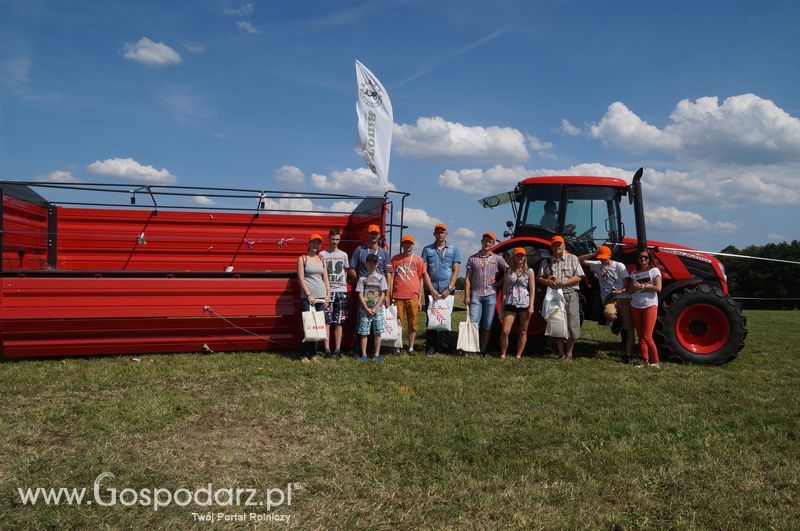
[375, 122]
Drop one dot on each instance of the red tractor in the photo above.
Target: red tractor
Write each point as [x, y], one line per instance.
[698, 321]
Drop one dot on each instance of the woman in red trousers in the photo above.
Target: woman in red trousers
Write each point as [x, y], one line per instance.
[645, 284]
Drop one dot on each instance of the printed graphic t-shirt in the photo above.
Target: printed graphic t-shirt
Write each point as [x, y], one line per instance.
[372, 286]
[337, 263]
[645, 299]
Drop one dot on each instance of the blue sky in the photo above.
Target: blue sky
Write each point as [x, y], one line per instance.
[705, 95]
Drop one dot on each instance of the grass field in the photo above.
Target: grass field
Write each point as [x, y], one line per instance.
[417, 442]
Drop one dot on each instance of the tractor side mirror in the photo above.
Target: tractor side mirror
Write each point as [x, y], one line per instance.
[506, 234]
[509, 224]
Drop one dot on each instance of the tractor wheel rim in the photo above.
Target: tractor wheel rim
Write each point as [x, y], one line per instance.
[702, 329]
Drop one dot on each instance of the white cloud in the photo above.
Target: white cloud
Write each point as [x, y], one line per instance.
[343, 206]
[289, 175]
[434, 137]
[245, 25]
[568, 128]
[466, 233]
[58, 176]
[541, 148]
[621, 127]
[349, 181]
[776, 237]
[151, 53]
[417, 217]
[670, 218]
[193, 46]
[242, 10]
[130, 170]
[203, 200]
[291, 203]
[721, 186]
[743, 130]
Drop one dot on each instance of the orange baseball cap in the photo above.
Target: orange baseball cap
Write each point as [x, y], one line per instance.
[441, 226]
[374, 228]
[408, 238]
[519, 250]
[556, 239]
[603, 252]
[314, 237]
[489, 235]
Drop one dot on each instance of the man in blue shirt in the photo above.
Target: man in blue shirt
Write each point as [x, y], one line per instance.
[443, 262]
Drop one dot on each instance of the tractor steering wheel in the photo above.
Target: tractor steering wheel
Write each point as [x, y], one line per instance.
[584, 235]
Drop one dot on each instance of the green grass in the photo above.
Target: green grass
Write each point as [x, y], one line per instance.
[470, 442]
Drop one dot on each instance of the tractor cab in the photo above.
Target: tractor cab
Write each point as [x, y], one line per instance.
[584, 210]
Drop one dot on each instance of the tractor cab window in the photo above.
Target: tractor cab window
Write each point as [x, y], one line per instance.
[592, 217]
[539, 207]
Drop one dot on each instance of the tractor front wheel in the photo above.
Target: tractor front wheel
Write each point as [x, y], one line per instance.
[701, 324]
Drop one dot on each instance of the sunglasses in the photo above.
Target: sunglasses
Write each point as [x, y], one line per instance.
[643, 257]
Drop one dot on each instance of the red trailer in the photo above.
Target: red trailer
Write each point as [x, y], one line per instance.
[121, 269]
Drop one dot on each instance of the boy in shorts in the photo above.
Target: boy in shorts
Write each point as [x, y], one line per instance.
[371, 290]
[407, 288]
[337, 263]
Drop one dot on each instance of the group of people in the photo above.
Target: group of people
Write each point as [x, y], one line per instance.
[630, 298]
[402, 280]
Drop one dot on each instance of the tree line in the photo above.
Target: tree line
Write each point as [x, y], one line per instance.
[765, 280]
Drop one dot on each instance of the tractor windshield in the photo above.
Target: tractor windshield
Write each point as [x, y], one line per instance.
[587, 216]
[592, 216]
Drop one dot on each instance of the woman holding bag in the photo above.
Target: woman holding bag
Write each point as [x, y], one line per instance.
[645, 284]
[518, 297]
[315, 292]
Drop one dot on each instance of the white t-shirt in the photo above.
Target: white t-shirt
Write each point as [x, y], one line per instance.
[337, 263]
[611, 277]
[645, 299]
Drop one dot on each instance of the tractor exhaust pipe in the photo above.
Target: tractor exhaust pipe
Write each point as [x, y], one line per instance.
[638, 209]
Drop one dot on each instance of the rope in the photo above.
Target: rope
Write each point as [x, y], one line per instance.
[211, 310]
[721, 254]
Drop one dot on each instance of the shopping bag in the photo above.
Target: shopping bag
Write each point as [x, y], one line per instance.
[553, 297]
[557, 323]
[313, 326]
[392, 335]
[468, 337]
[439, 312]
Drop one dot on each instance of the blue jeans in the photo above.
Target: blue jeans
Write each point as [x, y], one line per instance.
[481, 310]
[309, 349]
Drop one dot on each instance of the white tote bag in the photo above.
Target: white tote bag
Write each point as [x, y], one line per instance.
[557, 323]
[313, 326]
[439, 312]
[392, 335]
[468, 339]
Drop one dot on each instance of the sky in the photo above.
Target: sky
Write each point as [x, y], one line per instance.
[255, 94]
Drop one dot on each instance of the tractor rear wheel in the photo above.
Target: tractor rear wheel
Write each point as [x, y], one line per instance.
[701, 324]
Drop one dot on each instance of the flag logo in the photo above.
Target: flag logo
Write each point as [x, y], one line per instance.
[370, 94]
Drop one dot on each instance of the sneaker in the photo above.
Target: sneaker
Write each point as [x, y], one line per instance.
[378, 358]
[640, 363]
[397, 352]
[328, 354]
[363, 357]
[305, 359]
[337, 354]
[411, 352]
[655, 365]
[429, 352]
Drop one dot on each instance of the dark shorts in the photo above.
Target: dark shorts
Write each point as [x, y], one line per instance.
[336, 313]
[514, 309]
